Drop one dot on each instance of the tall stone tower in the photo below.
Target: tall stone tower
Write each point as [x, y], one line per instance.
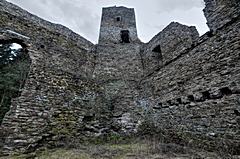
[118, 25]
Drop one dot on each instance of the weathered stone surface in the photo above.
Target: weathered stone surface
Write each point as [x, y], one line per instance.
[58, 78]
[76, 90]
[57, 28]
[221, 12]
[206, 76]
[167, 45]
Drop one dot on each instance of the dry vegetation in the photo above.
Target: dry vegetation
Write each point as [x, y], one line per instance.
[136, 150]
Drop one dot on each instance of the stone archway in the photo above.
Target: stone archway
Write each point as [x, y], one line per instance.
[14, 67]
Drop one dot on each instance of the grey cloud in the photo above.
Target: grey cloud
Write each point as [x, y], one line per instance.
[73, 15]
[83, 16]
[170, 5]
[79, 18]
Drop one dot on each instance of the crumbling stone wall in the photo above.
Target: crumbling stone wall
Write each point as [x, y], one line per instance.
[57, 28]
[172, 41]
[59, 91]
[76, 90]
[198, 93]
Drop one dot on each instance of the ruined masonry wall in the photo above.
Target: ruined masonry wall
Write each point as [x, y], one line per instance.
[173, 40]
[59, 91]
[57, 28]
[76, 91]
[198, 94]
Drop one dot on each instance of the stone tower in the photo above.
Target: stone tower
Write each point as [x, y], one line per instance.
[118, 25]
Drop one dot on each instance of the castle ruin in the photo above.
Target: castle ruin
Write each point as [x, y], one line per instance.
[185, 85]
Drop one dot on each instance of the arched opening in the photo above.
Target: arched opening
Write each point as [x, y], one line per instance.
[14, 67]
[125, 36]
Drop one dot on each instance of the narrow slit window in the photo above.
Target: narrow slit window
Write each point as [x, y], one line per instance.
[118, 19]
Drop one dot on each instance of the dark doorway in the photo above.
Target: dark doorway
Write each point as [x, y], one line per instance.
[125, 36]
[157, 53]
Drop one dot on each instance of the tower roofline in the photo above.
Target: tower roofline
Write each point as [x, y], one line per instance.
[123, 7]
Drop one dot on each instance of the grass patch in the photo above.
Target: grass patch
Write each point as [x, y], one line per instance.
[63, 154]
[140, 149]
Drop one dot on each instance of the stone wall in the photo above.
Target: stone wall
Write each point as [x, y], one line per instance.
[59, 91]
[220, 12]
[198, 93]
[76, 90]
[57, 28]
[118, 61]
[118, 69]
[172, 41]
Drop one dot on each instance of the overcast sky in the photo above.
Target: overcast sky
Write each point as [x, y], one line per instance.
[83, 16]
